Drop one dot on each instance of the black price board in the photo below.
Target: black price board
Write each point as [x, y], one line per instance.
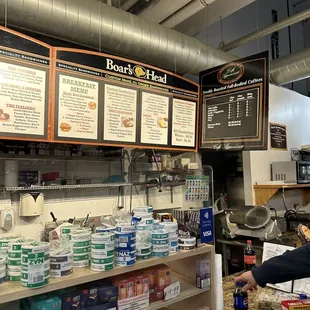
[107, 100]
[278, 137]
[235, 105]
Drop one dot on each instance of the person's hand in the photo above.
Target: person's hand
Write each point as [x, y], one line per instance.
[249, 281]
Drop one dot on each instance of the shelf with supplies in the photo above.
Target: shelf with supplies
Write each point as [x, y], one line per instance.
[179, 262]
[264, 192]
[60, 187]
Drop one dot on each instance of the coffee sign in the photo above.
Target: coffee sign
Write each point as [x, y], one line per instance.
[231, 73]
[235, 105]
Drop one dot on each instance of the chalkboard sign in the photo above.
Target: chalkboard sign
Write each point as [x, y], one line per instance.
[278, 138]
[235, 105]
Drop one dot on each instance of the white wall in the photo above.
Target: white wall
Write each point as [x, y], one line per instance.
[293, 110]
[78, 203]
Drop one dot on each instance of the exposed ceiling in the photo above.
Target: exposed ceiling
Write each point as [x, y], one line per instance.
[187, 16]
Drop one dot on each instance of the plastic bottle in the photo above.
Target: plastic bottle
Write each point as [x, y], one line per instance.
[249, 256]
[240, 297]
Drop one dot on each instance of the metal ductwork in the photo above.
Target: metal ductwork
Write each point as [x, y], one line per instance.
[103, 27]
[91, 23]
[291, 20]
[291, 68]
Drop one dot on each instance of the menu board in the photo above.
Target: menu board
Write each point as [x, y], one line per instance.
[77, 108]
[183, 122]
[154, 119]
[278, 137]
[108, 100]
[24, 87]
[120, 109]
[235, 105]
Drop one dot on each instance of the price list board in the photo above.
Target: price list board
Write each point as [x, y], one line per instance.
[235, 105]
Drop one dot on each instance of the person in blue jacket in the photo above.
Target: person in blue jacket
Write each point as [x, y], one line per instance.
[292, 265]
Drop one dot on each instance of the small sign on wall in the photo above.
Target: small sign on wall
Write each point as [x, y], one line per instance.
[278, 137]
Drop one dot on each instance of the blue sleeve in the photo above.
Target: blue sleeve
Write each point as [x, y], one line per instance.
[292, 265]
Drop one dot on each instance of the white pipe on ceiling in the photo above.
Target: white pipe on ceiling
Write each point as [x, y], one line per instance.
[162, 9]
[186, 12]
[128, 4]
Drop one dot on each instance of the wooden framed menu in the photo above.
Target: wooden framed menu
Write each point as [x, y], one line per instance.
[24, 87]
[106, 100]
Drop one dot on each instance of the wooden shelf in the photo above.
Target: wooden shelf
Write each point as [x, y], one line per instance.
[188, 290]
[13, 291]
[264, 192]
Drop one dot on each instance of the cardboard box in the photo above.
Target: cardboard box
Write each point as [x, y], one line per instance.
[126, 288]
[165, 217]
[89, 297]
[141, 285]
[203, 273]
[296, 304]
[107, 293]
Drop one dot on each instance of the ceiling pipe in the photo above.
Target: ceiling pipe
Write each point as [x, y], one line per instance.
[162, 9]
[291, 68]
[130, 36]
[291, 20]
[122, 33]
[189, 10]
[128, 4]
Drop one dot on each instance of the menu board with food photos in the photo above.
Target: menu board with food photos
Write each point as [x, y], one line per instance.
[108, 100]
[24, 87]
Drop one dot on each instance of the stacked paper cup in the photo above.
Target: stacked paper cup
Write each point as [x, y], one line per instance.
[160, 243]
[2, 269]
[172, 229]
[102, 251]
[14, 262]
[35, 264]
[125, 245]
[81, 247]
[61, 263]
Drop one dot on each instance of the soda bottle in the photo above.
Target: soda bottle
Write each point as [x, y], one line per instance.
[249, 256]
[240, 297]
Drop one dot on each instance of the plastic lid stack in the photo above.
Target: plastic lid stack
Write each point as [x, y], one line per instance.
[81, 243]
[160, 243]
[172, 229]
[61, 263]
[125, 245]
[102, 251]
[35, 268]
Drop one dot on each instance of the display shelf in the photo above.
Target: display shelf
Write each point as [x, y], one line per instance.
[264, 192]
[13, 291]
[59, 158]
[188, 289]
[59, 187]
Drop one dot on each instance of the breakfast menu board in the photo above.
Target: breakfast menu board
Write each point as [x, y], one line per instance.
[24, 87]
[235, 105]
[109, 100]
[77, 108]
